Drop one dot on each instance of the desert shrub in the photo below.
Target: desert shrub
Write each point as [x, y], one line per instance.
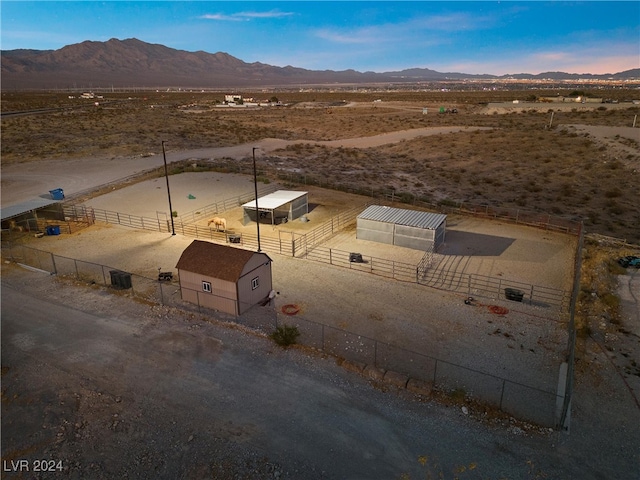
[285, 335]
[614, 192]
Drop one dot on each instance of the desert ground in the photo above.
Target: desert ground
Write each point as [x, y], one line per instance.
[581, 164]
[387, 158]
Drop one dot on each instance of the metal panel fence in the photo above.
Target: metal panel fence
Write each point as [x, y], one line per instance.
[378, 266]
[307, 245]
[227, 203]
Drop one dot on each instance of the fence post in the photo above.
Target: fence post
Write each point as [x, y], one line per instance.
[104, 278]
[330, 259]
[75, 262]
[435, 370]
[375, 353]
[53, 262]
[531, 295]
[502, 393]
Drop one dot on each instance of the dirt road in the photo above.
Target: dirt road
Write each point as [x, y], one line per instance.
[25, 181]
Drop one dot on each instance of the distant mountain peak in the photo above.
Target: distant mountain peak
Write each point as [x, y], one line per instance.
[134, 63]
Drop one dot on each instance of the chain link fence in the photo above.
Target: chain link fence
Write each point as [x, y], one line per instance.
[523, 401]
[527, 402]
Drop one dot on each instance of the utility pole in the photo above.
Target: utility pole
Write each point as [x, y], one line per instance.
[166, 176]
[255, 186]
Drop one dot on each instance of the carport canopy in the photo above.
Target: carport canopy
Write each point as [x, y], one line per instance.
[289, 204]
[23, 208]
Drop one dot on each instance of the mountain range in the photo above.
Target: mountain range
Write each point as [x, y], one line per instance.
[134, 63]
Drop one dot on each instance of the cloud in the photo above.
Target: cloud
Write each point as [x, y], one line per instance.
[452, 22]
[425, 29]
[244, 16]
[364, 36]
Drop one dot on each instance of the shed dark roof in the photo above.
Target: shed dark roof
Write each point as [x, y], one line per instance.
[214, 260]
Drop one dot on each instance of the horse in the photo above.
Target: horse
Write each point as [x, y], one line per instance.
[220, 223]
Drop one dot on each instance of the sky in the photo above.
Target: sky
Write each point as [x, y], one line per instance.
[498, 37]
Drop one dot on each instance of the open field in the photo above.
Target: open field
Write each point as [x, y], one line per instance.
[585, 167]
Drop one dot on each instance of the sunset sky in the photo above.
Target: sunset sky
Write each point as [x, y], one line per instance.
[469, 37]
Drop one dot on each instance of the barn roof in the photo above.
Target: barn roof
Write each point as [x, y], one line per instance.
[215, 260]
[25, 207]
[400, 216]
[275, 199]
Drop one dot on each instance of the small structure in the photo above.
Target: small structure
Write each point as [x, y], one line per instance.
[405, 228]
[224, 278]
[278, 207]
[28, 215]
[232, 98]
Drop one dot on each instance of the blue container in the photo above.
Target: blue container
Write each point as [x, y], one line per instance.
[53, 230]
[57, 194]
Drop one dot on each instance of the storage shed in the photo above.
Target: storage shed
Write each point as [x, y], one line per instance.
[278, 207]
[404, 228]
[228, 279]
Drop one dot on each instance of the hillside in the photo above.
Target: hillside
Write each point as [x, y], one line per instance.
[134, 63]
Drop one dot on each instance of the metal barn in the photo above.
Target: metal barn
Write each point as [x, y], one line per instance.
[278, 207]
[405, 228]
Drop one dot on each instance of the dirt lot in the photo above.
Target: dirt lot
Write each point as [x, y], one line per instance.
[473, 246]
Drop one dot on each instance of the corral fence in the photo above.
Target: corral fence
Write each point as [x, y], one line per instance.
[226, 204]
[424, 274]
[308, 245]
[493, 287]
[527, 402]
